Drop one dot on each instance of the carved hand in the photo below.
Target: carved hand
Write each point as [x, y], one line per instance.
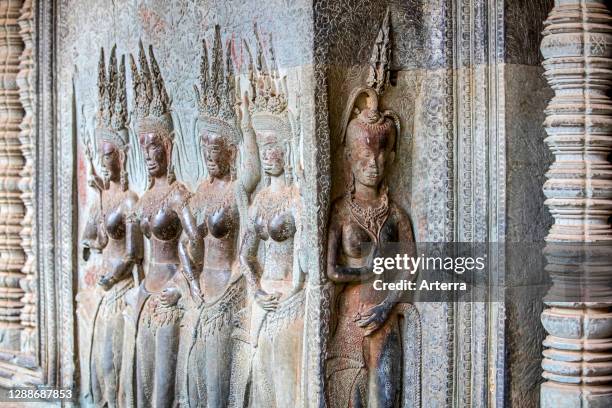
[196, 291]
[268, 302]
[373, 318]
[170, 296]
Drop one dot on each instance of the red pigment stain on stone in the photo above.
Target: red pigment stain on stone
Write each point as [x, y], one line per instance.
[81, 178]
[152, 23]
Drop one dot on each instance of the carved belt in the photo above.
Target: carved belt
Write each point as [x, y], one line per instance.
[213, 317]
[114, 299]
[154, 314]
[287, 312]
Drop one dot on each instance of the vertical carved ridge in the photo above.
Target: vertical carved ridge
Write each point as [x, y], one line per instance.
[26, 96]
[577, 361]
[12, 211]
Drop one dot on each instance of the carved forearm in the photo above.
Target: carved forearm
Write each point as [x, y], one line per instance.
[248, 258]
[189, 225]
[250, 171]
[345, 274]
[120, 271]
[134, 242]
[190, 266]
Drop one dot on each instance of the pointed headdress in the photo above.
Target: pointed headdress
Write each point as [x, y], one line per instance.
[371, 123]
[269, 104]
[111, 118]
[152, 103]
[216, 95]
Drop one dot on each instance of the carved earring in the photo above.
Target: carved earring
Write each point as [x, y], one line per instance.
[150, 182]
[170, 172]
[171, 175]
[287, 165]
[351, 186]
[123, 181]
[232, 171]
[123, 177]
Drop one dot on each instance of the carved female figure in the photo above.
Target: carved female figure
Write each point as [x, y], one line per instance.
[364, 356]
[275, 276]
[107, 231]
[218, 204]
[162, 214]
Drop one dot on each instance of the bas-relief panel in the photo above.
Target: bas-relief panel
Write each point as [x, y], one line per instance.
[420, 179]
[176, 31]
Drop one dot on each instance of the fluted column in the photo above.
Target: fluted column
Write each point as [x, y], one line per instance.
[12, 210]
[25, 81]
[577, 363]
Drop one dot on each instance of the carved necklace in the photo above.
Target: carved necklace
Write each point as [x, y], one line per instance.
[209, 200]
[371, 218]
[110, 202]
[147, 203]
[270, 203]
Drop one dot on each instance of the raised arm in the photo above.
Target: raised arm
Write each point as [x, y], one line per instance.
[93, 180]
[250, 171]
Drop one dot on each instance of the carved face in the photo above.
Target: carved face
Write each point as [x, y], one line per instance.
[272, 154]
[111, 164]
[218, 154]
[273, 160]
[370, 150]
[155, 154]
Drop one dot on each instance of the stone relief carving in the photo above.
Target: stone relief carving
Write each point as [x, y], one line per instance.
[173, 31]
[162, 213]
[118, 242]
[364, 360]
[220, 205]
[271, 247]
[12, 255]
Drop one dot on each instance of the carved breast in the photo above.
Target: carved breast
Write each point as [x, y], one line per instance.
[353, 237]
[281, 227]
[222, 222]
[166, 225]
[115, 224]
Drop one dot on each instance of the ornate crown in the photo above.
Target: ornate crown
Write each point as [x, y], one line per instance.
[111, 119]
[268, 105]
[152, 104]
[378, 78]
[216, 95]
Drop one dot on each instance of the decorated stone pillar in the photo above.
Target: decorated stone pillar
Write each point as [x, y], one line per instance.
[12, 210]
[577, 360]
[25, 81]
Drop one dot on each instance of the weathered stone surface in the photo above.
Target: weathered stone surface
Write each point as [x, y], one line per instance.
[468, 166]
[576, 47]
